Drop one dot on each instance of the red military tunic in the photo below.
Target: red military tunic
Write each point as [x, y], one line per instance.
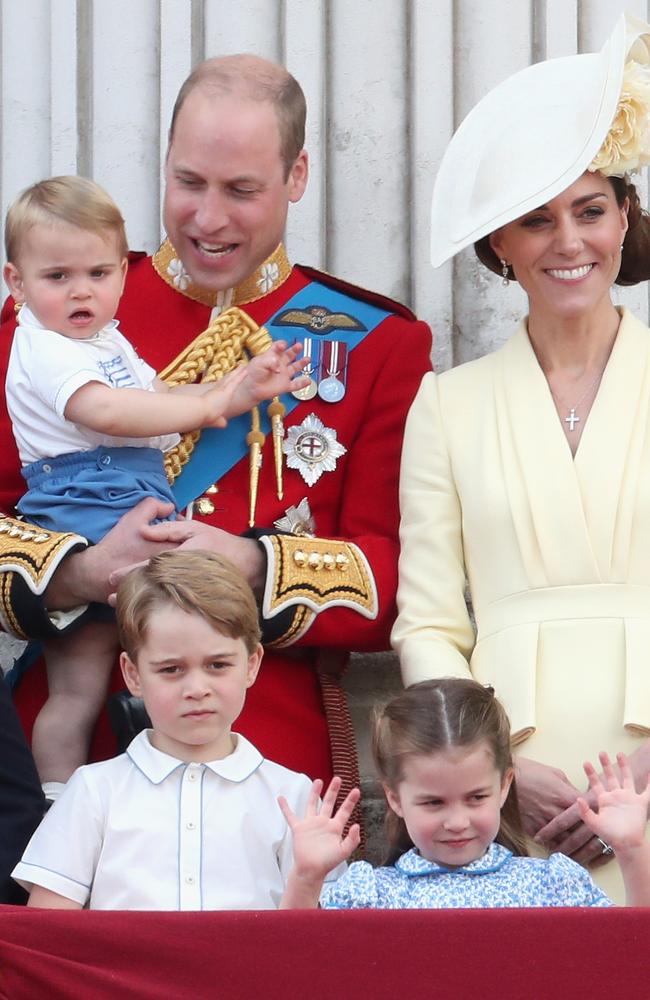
[160, 315]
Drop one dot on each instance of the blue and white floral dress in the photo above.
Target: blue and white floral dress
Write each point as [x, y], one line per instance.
[496, 879]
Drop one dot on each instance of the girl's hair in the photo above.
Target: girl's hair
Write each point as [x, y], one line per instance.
[439, 715]
[635, 256]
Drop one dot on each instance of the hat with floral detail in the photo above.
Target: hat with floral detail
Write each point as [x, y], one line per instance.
[537, 132]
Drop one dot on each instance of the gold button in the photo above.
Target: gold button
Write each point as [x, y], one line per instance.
[342, 562]
[315, 560]
[329, 561]
[212, 489]
[300, 557]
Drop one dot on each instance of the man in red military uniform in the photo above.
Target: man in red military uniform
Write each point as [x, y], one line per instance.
[326, 575]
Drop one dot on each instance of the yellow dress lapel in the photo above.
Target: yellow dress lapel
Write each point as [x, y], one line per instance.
[608, 460]
[543, 490]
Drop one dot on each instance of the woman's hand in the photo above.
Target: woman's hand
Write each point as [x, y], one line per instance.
[568, 834]
[544, 792]
[549, 810]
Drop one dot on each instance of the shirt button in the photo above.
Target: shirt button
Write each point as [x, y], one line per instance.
[105, 459]
[190, 879]
[47, 468]
[191, 776]
[190, 825]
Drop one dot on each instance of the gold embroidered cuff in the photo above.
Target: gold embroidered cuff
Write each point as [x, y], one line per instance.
[33, 555]
[300, 624]
[315, 573]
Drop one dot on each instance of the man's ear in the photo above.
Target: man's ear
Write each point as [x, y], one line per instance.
[131, 675]
[298, 175]
[14, 281]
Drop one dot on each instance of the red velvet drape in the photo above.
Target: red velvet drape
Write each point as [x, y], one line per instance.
[488, 955]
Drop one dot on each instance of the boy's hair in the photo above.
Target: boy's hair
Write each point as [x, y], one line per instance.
[440, 715]
[253, 78]
[74, 201]
[201, 583]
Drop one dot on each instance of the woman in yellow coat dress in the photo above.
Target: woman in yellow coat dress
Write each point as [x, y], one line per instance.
[526, 473]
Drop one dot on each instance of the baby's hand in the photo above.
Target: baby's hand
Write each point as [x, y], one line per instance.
[275, 371]
[622, 811]
[318, 841]
[220, 397]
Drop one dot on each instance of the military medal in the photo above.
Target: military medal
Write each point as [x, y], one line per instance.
[308, 391]
[312, 449]
[331, 388]
[311, 350]
[297, 520]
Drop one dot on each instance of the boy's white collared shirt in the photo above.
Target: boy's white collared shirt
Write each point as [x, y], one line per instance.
[146, 831]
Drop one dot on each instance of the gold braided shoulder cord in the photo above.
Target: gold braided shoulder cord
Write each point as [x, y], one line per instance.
[228, 342]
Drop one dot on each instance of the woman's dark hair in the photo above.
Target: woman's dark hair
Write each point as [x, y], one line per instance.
[635, 258]
[437, 715]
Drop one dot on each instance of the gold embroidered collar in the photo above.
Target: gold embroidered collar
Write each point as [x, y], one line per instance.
[272, 273]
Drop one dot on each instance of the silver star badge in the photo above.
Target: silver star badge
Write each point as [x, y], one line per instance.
[312, 449]
[297, 520]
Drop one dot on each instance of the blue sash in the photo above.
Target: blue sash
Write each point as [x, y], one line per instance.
[217, 451]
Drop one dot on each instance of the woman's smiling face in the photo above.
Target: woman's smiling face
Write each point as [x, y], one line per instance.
[566, 254]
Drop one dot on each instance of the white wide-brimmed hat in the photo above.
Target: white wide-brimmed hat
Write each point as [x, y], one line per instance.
[537, 132]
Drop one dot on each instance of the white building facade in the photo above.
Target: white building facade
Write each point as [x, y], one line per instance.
[87, 86]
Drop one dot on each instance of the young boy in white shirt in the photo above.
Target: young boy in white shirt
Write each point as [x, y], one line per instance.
[187, 818]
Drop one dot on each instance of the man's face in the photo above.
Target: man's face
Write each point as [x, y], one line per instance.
[226, 198]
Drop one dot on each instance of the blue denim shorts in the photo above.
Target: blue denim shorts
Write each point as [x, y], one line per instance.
[88, 491]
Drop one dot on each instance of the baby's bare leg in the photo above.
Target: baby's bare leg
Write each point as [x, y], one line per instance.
[78, 670]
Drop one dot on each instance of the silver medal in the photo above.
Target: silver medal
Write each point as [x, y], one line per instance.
[331, 389]
[311, 350]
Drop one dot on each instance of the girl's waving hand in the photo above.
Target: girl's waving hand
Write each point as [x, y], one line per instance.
[620, 822]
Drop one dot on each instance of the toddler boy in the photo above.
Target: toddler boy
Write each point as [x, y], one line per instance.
[92, 421]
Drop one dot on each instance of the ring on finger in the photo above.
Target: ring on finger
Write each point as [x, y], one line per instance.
[607, 849]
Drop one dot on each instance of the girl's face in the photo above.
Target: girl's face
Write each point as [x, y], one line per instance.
[567, 254]
[451, 803]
